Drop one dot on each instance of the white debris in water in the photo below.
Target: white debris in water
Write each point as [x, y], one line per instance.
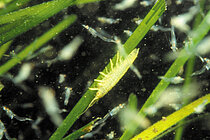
[173, 97]
[156, 28]
[200, 108]
[67, 52]
[125, 4]
[128, 32]
[35, 125]
[70, 49]
[27, 105]
[24, 73]
[173, 80]
[171, 56]
[151, 110]
[130, 117]
[61, 78]
[179, 2]
[204, 46]
[136, 71]
[146, 3]
[51, 106]
[110, 136]
[137, 20]
[36, 122]
[169, 96]
[181, 21]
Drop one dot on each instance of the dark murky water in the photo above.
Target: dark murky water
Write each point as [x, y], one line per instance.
[92, 57]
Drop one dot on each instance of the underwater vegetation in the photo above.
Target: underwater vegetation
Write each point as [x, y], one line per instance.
[102, 69]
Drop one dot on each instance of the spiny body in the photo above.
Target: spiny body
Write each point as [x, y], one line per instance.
[111, 78]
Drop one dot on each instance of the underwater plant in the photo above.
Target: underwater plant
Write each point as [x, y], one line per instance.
[68, 68]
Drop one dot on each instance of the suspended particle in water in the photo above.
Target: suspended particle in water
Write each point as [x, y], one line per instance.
[146, 3]
[35, 125]
[180, 21]
[24, 73]
[137, 20]
[179, 2]
[128, 32]
[156, 28]
[136, 71]
[200, 108]
[164, 118]
[129, 118]
[204, 46]
[27, 105]
[125, 4]
[151, 110]
[111, 135]
[61, 78]
[70, 49]
[50, 104]
[173, 80]
[170, 96]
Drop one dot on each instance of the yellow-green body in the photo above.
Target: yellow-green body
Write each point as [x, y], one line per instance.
[111, 78]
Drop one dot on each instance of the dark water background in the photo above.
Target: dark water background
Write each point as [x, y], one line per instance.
[92, 57]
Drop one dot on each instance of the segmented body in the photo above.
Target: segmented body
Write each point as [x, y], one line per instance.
[111, 78]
